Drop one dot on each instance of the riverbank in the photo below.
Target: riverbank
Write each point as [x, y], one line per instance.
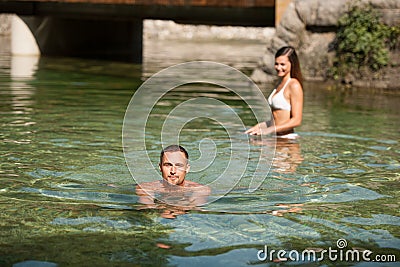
[311, 26]
[312, 45]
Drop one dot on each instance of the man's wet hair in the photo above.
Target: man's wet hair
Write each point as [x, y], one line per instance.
[174, 148]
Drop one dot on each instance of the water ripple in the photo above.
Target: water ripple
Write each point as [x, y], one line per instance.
[89, 196]
[116, 224]
[377, 219]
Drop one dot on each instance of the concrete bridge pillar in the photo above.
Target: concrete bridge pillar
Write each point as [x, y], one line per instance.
[23, 43]
[119, 40]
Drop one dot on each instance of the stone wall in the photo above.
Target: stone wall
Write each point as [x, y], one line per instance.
[167, 29]
[310, 26]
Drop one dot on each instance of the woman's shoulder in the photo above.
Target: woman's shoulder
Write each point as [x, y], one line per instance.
[295, 85]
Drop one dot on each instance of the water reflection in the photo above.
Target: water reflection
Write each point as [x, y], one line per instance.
[23, 67]
[287, 208]
[22, 71]
[18, 99]
[287, 153]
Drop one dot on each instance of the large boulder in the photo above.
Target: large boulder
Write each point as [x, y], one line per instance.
[310, 26]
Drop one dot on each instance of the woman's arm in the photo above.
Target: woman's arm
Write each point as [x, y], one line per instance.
[296, 102]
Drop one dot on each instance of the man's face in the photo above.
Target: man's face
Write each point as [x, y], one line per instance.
[174, 167]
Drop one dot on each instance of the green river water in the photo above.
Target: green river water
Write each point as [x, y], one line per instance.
[67, 196]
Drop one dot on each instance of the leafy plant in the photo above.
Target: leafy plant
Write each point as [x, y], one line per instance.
[362, 42]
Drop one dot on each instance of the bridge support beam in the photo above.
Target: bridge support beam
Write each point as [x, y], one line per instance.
[280, 8]
[119, 40]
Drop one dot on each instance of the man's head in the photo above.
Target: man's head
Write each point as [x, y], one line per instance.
[174, 164]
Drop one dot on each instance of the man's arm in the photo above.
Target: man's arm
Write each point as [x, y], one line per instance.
[145, 195]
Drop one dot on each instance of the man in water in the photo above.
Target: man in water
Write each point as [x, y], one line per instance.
[173, 190]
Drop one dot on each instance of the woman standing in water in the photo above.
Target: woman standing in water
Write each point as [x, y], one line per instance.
[286, 101]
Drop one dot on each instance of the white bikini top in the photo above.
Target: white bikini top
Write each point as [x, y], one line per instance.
[279, 101]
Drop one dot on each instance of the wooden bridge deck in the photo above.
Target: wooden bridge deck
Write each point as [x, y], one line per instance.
[216, 12]
[203, 3]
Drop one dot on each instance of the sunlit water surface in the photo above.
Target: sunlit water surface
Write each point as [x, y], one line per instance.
[67, 196]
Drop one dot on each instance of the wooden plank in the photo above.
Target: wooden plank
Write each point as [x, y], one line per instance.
[205, 3]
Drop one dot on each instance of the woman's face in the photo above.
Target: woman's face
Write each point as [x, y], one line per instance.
[282, 66]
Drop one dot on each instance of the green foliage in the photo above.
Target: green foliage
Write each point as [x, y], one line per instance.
[362, 42]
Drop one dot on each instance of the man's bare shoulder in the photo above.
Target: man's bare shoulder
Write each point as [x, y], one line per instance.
[196, 187]
[159, 185]
[192, 184]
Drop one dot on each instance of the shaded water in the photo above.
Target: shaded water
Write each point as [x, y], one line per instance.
[67, 196]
